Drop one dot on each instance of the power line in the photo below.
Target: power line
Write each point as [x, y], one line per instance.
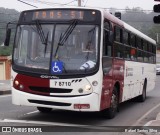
[67, 4]
[85, 3]
[27, 3]
[70, 2]
[51, 3]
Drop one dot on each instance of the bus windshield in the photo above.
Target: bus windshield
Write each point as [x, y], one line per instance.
[75, 46]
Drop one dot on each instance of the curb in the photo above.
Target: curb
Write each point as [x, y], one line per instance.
[5, 92]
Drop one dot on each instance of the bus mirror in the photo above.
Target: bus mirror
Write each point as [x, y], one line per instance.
[7, 38]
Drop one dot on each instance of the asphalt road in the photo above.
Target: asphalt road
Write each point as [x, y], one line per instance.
[131, 113]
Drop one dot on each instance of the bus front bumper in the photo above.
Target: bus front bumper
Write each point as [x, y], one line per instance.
[87, 103]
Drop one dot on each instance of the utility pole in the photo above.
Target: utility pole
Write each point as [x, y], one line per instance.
[157, 37]
[79, 3]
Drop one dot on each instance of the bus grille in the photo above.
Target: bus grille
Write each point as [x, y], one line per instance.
[50, 90]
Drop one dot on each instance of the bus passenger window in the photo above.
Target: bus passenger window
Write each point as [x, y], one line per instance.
[144, 45]
[118, 34]
[126, 37]
[140, 56]
[119, 50]
[133, 54]
[127, 52]
[133, 39]
[145, 57]
[139, 43]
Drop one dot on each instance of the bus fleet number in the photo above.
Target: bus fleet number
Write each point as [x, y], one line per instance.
[62, 83]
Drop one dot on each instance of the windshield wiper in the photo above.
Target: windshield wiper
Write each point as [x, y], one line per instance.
[66, 34]
[41, 34]
[63, 38]
[90, 35]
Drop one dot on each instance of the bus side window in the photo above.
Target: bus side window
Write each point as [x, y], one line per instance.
[107, 45]
[132, 40]
[118, 34]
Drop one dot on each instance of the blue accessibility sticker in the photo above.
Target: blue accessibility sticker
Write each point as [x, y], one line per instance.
[57, 67]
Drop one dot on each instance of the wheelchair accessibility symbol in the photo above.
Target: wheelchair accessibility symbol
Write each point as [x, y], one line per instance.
[57, 67]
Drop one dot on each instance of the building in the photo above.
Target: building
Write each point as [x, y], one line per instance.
[5, 67]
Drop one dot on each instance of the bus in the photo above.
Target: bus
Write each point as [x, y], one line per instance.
[79, 59]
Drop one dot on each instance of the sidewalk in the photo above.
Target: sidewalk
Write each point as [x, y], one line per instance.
[5, 87]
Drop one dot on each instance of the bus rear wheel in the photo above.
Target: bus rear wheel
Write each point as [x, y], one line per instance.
[142, 97]
[44, 110]
[111, 112]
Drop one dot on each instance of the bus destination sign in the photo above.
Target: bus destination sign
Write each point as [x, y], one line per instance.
[57, 14]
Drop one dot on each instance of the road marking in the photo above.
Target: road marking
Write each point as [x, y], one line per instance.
[147, 113]
[41, 122]
[149, 123]
[5, 96]
[55, 124]
[31, 112]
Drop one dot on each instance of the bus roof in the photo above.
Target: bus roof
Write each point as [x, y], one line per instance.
[127, 27]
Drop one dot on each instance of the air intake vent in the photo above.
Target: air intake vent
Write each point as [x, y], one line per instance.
[49, 103]
[50, 90]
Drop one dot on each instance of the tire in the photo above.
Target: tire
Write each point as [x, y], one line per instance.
[110, 113]
[44, 110]
[142, 97]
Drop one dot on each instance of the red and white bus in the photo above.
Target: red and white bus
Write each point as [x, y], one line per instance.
[80, 59]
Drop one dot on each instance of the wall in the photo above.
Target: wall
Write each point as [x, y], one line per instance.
[5, 70]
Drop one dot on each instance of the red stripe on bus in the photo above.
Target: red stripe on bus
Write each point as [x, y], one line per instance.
[25, 82]
[115, 75]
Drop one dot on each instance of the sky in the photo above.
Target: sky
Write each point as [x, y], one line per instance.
[120, 4]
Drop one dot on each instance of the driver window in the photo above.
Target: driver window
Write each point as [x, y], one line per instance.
[107, 47]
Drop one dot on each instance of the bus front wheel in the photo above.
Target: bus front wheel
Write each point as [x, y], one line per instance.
[44, 110]
[111, 112]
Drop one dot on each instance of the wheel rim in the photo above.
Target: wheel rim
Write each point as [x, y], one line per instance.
[114, 102]
[144, 92]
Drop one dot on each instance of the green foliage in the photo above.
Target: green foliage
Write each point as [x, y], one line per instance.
[5, 51]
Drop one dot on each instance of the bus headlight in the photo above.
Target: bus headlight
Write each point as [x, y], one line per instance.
[87, 88]
[16, 83]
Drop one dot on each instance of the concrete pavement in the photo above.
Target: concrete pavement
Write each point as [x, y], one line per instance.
[5, 88]
[155, 122]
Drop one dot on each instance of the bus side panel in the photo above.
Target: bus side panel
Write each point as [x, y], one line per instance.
[135, 75]
[107, 83]
[118, 76]
[114, 76]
